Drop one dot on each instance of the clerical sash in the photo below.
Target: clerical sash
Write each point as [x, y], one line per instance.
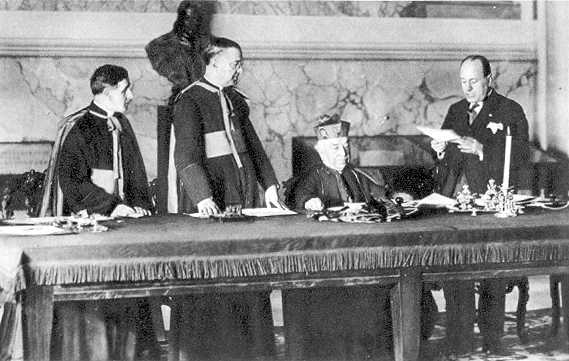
[104, 178]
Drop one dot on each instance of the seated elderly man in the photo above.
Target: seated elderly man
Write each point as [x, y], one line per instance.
[344, 322]
[335, 181]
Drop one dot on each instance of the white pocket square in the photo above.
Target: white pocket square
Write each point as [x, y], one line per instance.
[495, 126]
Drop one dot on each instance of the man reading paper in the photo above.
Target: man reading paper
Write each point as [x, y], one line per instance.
[481, 120]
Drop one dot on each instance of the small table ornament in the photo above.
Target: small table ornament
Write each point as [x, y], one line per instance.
[506, 206]
[490, 197]
[465, 198]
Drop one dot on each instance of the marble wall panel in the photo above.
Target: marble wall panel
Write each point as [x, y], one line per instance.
[379, 9]
[306, 8]
[286, 97]
[35, 93]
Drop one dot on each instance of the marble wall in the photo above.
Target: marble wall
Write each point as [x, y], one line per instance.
[325, 8]
[373, 81]
[286, 96]
[380, 9]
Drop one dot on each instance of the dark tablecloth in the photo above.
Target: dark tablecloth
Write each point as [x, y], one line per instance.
[185, 248]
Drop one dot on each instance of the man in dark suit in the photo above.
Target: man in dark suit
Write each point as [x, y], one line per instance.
[481, 120]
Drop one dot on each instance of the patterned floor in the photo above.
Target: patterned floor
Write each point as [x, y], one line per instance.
[541, 347]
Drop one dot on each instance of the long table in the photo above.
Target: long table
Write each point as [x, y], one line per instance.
[175, 255]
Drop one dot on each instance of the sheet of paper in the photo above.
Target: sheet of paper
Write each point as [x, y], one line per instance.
[436, 200]
[442, 135]
[30, 221]
[254, 212]
[50, 220]
[197, 215]
[32, 230]
[267, 212]
[521, 198]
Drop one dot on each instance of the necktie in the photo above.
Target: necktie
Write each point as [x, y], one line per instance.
[228, 126]
[472, 112]
[114, 126]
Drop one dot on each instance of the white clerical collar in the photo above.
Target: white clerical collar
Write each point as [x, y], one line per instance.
[219, 87]
[105, 115]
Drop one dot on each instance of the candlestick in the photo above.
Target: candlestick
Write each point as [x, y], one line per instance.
[507, 156]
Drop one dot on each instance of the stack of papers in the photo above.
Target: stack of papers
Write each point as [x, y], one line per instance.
[442, 135]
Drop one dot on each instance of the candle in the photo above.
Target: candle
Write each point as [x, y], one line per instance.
[507, 156]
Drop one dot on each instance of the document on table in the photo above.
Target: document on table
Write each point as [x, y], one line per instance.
[32, 230]
[442, 135]
[266, 212]
[256, 212]
[50, 220]
[434, 200]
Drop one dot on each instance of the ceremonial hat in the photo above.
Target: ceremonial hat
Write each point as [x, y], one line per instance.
[331, 127]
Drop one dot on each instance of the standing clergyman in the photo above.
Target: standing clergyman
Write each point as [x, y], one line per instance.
[96, 168]
[220, 161]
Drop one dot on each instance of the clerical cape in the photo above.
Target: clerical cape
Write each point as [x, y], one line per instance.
[211, 160]
[83, 146]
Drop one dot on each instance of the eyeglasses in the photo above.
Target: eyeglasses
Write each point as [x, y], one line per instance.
[236, 65]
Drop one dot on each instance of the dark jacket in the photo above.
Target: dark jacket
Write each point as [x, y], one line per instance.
[197, 111]
[500, 111]
[321, 182]
[88, 146]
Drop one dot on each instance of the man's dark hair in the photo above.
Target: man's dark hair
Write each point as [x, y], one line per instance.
[216, 46]
[486, 69]
[107, 75]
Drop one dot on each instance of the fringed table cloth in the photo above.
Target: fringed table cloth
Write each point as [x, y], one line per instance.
[177, 254]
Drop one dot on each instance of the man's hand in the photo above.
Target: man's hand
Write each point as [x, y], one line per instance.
[208, 207]
[272, 198]
[122, 210]
[470, 145]
[439, 147]
[314, 204]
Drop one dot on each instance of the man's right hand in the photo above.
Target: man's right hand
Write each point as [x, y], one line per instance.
[438, 146]
[208, 207]
[122, 210]
[314, 204]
